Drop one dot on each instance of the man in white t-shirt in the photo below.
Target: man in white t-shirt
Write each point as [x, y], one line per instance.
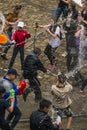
[54, 31]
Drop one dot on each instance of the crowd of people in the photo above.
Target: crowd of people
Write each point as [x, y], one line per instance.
[74, 30]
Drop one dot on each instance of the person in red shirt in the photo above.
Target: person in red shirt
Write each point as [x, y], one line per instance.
[19, 37]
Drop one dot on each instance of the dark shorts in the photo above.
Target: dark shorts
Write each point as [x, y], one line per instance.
[66, 111]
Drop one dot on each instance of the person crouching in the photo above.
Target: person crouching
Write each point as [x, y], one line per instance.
[61, 98]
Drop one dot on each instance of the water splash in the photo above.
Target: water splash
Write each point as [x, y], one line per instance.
[82, 52]
[2, 20]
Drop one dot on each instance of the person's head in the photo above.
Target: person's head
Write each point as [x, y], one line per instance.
[61, 78]
[84, 4]
[2, 91]
[45, 105]
[52, 21]
[37, 51]
[20, 25]
[12, 74]
[72, 6]
[79, 27]
[17, 8]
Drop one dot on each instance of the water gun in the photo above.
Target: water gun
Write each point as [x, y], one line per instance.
[22, 85]
[12, 93]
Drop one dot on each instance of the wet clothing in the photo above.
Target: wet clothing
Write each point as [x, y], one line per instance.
[3, 106]
[72, 44]
[61, 96]
[31, 65]
[40, 120]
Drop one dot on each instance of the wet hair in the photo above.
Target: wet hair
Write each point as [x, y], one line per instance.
[2, 90]
[45, 103]
[37, 51]
[61, 77]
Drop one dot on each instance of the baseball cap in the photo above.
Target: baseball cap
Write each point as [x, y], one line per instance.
[12, 71]
[21, 24]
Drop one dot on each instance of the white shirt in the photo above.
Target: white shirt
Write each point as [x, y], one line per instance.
[55, 42]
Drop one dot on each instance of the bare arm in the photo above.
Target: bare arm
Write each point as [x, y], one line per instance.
[51, 34]
[11, 108]
[81, 18]
[66, 1]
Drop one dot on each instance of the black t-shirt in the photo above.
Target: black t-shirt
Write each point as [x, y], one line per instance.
[3, 106]
[62, 4]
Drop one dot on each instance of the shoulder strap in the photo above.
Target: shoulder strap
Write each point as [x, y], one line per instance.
[42, 121]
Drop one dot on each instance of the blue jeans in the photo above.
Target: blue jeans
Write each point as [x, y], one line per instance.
[61, 10]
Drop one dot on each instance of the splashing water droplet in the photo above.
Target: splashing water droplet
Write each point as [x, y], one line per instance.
[2, 19]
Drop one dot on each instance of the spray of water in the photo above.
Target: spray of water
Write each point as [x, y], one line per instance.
[82, 46]
[2, 19]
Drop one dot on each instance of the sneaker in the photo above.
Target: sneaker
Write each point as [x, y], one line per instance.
[82, 93]
[4, 57]
[64, 54]
[51, 67]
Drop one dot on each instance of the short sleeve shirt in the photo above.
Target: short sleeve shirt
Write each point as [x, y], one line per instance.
[3, 106]
[55, 42]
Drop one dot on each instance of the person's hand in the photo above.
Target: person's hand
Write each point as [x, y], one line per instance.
[46, 29]
[19, 86]
[12, 100]
[57, 122]
[80, 18]
[12, 93]
[48, 71]
[12, 42]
